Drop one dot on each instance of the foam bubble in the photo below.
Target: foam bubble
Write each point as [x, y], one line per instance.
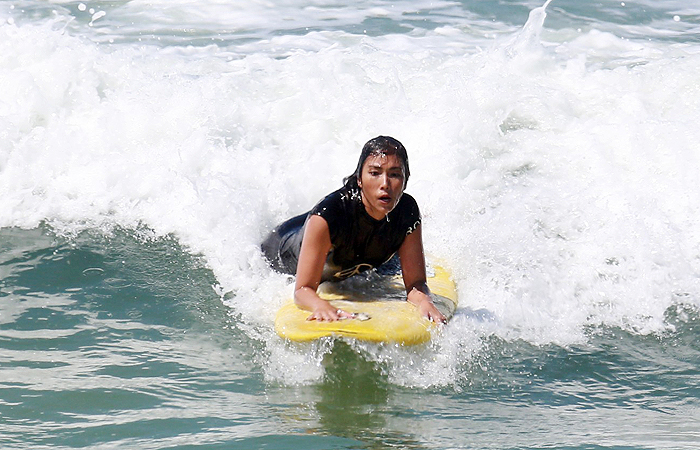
[96, 16]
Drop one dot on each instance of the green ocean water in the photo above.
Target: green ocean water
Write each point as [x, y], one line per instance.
[121, 342]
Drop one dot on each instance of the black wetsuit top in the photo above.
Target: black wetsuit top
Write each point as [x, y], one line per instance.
[358, 241]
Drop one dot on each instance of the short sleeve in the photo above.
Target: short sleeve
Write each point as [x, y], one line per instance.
[408, 213]
[333, 211]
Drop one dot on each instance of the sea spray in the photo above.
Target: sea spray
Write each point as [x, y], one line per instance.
[554, 167]
[143, 158]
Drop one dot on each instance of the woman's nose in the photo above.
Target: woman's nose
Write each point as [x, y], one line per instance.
[385, 180]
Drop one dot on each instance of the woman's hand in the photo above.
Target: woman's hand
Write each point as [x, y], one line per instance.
[425, 306]
[429, 310]
[325, 312]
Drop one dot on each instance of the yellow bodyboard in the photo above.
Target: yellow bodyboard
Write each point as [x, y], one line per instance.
[380, 301]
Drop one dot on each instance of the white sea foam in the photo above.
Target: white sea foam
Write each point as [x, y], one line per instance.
[556, 178]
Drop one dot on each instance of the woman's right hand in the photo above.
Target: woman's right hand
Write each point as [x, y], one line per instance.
[314, 249]
[325, 312]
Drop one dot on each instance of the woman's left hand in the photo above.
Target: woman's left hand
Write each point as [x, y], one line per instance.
[425, 306]
[428, 309]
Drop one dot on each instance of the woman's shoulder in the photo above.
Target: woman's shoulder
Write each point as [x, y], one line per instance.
[406, 215]
[408, 200]
[408, 205]
[335, 206]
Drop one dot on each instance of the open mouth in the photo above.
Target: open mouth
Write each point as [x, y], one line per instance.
[385, 199]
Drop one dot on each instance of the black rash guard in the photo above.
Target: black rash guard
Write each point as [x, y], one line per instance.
[358, 241]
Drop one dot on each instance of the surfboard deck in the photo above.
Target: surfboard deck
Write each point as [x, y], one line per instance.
[383, 314]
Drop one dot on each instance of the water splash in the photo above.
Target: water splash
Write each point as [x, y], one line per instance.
[559, 191]
[529, 36]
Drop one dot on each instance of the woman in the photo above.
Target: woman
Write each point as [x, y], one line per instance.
[358, 227]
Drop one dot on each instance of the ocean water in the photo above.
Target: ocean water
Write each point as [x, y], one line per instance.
[147, 147]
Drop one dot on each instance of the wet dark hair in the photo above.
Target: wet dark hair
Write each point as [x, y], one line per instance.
[381, 145]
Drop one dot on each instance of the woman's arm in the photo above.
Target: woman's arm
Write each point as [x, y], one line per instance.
[414, 278]
[314, 249]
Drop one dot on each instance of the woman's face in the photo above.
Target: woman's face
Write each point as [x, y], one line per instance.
[382, 183]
